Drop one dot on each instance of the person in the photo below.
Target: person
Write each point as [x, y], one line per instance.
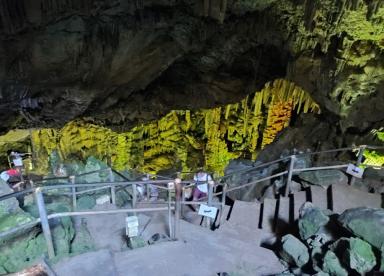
[13, 178]
[17, 160]
[201, 179]
[153, 191]
[61, 171]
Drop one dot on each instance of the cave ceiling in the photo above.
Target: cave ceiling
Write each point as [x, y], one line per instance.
[121, 62]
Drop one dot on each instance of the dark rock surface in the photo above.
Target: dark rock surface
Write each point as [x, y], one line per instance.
[366, 223]
[121, 62]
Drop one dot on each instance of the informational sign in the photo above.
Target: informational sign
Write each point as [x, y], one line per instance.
[208, 211]
[355, 171]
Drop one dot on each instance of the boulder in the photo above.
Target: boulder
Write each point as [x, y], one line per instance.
[10, 213]
[20, 253]
[123, 196]
[374, 179]
[360, 256]
[293, 251]
[82, 241]
[86, 202]
[382, 259]
[311, 220]
[242, 172]
[316, 245]
[324, 178]
[366, 223]
[332, 265]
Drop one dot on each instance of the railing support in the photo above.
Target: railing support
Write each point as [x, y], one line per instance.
[113, 188]
[134, 195]
[44, 222]
[290, 172]
[210, 199]
[73, 189]
[178, 192]
[223, 196]
[182, 199]
[170, 228]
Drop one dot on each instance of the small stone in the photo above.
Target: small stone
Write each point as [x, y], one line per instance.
[312, 219]
[294, 251]
[332, 265]
[103, 199]
[361, 256]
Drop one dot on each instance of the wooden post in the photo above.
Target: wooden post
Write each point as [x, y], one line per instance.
[113, 188]
[210, 200]
[178, 192]
[170, 229]
[134, 195]
[289, 179]
[44, 222]
[73, 189]
[224, 195]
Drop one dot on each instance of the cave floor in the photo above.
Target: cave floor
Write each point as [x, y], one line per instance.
[198, 251]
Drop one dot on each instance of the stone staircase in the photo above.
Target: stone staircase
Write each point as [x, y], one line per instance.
[277, 215]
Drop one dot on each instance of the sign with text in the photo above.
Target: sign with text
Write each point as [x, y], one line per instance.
[208, 211]
[355, 171]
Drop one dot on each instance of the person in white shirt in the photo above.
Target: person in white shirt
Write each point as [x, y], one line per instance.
[17, 159]
[201, 179]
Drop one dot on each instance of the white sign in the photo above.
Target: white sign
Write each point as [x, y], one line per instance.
[355, 171]
[207, 211]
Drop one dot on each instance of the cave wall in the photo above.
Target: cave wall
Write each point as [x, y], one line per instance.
[182, 140]
[120, 62]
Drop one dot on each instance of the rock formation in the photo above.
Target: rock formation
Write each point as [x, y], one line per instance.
[121, 62]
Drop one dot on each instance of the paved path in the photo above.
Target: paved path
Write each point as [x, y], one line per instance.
[199, 252]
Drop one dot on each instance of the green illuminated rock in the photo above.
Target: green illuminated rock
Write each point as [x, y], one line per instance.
[366, 223]
[82, 241]
[332, 265]
[293, 251]
[10, 213]
[86, 202]
[311, 220]
[360, 255]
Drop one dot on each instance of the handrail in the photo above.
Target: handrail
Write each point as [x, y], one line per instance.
[160, 183]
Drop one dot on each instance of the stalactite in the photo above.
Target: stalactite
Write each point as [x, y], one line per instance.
[221, 133]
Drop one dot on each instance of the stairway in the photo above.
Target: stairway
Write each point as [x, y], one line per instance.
[277, 215]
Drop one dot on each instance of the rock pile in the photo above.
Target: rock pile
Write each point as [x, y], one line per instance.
[350, 244]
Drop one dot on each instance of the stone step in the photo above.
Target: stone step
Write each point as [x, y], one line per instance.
[283, 217]
[269, 211]
[246, 214]
[240, 232]
[223, 214]
[319, 197]
[346, 197]
[299, 199]
[192, 217]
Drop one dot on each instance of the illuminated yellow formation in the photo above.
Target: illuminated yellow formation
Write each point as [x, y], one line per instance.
[184, 139]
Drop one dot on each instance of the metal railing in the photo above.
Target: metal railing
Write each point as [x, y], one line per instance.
[176, 186]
